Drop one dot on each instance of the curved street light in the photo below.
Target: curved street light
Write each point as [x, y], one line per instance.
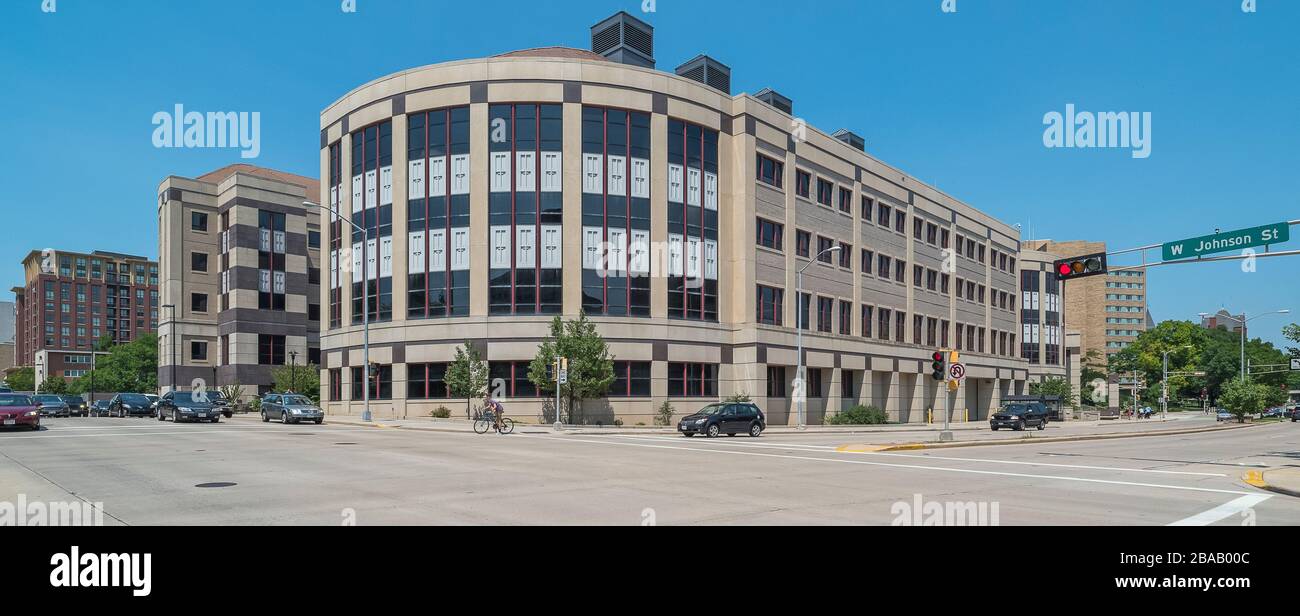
[801, 396]
[365, 305]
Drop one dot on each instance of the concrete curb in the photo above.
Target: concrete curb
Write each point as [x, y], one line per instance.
[1259, 480]
[1060, 439]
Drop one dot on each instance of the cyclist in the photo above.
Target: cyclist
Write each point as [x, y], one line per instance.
[497, 410]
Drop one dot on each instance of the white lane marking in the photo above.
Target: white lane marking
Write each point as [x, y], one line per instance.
[890, 465]
[1224, 511]
[62, 428]
[885, 454]
[168, 432]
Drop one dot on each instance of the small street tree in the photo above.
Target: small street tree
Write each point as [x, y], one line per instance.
[54, 385]
[303, 380]
[591, 368]
[22, 379]
[1055, 387]
[1243, 398]
[467, 376]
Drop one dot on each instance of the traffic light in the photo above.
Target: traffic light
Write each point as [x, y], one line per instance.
[1081, 267]
[939, 367]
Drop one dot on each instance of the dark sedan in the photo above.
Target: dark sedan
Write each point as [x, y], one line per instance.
[730, 418]
[76, 405]
[130, 405]
[99, 409]
[183, 406]
[19, 411]
[52, 406]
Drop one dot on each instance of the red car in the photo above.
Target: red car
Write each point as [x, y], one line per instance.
[19, 411]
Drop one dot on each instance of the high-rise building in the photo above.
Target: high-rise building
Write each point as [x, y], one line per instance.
[71, 300]
[1109, 311]
[240, 257]
[497, 193]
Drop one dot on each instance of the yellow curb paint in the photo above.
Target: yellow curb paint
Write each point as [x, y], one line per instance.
[1256, 479]
[861, 448]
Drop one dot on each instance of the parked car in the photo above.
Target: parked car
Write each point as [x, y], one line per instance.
[76, 405]
[1224, 416]
[730, 418]
[185, 406]
[130, 405]
[19, 411]
[1018, 416]
[52, 406]
[153, 401]
[98, 409]
[1274, 412]
[290, 409]
[219, 400]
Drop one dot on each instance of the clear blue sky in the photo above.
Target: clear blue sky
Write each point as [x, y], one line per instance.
[955, 99]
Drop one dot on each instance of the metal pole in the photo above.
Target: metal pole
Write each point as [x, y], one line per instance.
[1164, 389]
[801, 392]
[1244, 320]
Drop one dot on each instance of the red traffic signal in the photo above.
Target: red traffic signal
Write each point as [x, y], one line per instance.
[1081, 267]
[939, 366]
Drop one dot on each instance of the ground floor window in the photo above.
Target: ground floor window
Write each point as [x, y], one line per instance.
[336, 385]
[631, 380]
[509, 379]
[426, 381]
[776, 381]
[381, 383]
[692, 380]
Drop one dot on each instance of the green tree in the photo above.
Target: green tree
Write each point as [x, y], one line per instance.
[54, 385]
[1292, 333]
[467, 376]
[22, 379]
[1243, 398]
[591, 368]
[1055, 387]
[130, 367]
[303, 380]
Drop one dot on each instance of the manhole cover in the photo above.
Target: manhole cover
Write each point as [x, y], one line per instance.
[301, 434]
[217, 484]
[345, 443]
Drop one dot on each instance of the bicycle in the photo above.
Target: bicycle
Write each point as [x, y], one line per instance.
[485, 422]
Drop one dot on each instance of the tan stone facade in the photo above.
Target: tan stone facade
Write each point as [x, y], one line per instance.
[892, 374]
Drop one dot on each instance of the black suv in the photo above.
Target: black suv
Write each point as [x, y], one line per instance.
[730, 418]
[1020, 415]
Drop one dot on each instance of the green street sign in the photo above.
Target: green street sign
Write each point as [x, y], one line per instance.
[1228, 242]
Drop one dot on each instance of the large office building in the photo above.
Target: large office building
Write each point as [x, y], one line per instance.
[499, 192]
[240, 277]
[1109, 311]
[73, 299]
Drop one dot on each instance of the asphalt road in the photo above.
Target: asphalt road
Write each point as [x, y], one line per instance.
[149, 473]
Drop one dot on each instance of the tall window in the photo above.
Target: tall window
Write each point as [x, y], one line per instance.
[510, 379]
[372, 209]
[438, 214]
[271, 262]
[336, 239]
[770, 171]
[770, 234]
[692, 222]
[825, 308]
[616, 212]
[771, 306]
[381, 383]
[270, 350]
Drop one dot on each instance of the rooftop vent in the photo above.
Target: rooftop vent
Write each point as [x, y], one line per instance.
[625, 39]
[776, 100]
[707, 71]
[851, 138]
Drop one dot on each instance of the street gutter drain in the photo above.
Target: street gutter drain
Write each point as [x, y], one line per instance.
[217, 484]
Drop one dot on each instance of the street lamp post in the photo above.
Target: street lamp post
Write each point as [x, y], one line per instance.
[365, 308]
[1243, 321]
[801, 394]
[171, 343]
[293, 371]
[1164, 382]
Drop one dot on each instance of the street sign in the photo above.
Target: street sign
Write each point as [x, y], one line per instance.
[1227, 242]
[1295, 365]
[958, 371]
[564, 377]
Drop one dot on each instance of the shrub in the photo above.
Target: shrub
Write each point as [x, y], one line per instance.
[664, 416]
[441, 412]
[740, 398]
[859, 416]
